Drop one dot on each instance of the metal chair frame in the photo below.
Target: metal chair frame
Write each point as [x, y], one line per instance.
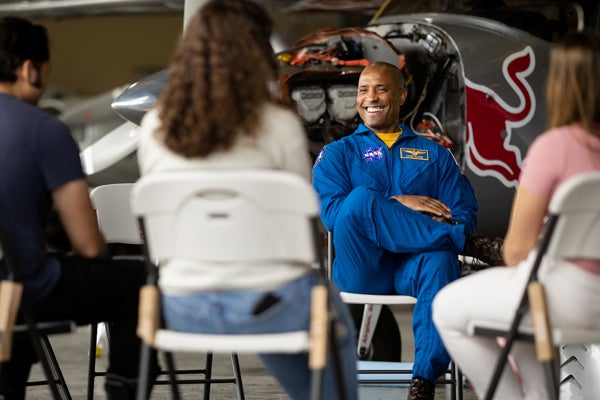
[571, 231]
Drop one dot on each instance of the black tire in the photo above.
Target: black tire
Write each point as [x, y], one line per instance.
[387, 341]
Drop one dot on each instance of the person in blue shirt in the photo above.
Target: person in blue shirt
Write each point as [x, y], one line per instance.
[41, 171]
[400, 211]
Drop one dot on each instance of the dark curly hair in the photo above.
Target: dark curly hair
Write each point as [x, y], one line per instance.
[218, 78]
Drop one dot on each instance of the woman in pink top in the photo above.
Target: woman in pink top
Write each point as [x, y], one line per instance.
[571, 146]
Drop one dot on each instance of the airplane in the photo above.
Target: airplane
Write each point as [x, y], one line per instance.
[476, 74]
[476, 71]
[476, 84]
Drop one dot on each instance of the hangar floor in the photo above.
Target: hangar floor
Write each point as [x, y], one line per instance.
[71, 350]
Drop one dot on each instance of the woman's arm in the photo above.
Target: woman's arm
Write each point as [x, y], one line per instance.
[526, 223]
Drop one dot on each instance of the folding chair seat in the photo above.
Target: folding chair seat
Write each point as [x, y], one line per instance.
[571, 231]
[123, 236]
[14, 302]
[231, 217]
[372, 309]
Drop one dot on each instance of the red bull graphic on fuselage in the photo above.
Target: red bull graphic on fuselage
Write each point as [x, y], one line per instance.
[490, 121]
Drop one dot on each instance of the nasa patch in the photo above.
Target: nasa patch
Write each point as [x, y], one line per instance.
[371, 154]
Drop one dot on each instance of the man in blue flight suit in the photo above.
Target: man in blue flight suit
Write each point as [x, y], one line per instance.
[400, 210]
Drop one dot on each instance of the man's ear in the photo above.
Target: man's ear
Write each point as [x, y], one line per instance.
[32, 74]
[402, 96]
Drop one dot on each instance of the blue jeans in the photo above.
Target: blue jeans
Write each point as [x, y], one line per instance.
[286, 308]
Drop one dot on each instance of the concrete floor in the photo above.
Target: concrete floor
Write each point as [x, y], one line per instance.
[71, 350]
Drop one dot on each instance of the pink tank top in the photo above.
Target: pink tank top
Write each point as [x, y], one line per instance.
[556, 156]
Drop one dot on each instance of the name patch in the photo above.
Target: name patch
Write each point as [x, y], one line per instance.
[414, 154]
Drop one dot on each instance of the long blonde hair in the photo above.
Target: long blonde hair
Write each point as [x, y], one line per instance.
[218, 78]
[573, 88]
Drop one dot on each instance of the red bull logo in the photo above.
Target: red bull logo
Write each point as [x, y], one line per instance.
[490, 121]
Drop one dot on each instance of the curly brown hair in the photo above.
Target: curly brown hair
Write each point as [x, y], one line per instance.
[218, 78]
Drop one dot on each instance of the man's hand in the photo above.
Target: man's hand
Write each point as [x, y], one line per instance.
[432, 207]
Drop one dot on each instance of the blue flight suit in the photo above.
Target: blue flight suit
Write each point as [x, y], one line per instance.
[384, 247]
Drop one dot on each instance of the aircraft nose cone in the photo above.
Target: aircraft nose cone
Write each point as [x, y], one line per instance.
[139, 97]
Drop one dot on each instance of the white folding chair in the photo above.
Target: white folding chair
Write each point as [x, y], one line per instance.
[231, 217]
[120, 227]
[116, 221]
[373, 304]
[572, 231]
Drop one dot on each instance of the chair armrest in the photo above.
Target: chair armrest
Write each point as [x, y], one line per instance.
[10, 299]
[318, 328]
[149, 314]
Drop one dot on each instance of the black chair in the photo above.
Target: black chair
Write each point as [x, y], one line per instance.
[17, 318]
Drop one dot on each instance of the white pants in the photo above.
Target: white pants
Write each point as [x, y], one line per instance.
[573, 297]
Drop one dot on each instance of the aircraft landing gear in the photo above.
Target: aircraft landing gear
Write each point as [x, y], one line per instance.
[385, 343]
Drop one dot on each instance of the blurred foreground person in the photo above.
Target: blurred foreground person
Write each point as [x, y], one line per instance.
[217, 113]
[41, 168]
[571, 146]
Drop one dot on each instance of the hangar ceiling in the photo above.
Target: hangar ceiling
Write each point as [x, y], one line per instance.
[77, 8]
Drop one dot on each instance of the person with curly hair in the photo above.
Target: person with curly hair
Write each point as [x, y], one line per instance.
[217, 112]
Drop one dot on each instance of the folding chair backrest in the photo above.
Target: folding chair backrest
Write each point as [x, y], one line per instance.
[115, 218]
[228, 216]
[576, 203]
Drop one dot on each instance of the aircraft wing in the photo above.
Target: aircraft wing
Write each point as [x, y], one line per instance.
[78, 8]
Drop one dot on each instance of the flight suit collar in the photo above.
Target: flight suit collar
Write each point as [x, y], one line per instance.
[363, 130]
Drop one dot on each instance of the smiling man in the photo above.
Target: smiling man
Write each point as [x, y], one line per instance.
[400, 210]
[380, 96]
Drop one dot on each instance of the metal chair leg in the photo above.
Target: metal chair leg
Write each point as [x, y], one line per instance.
[171, 371]
[58, 379]
[208, 375]
[144, 374]
[92, 361]
[237, 374]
